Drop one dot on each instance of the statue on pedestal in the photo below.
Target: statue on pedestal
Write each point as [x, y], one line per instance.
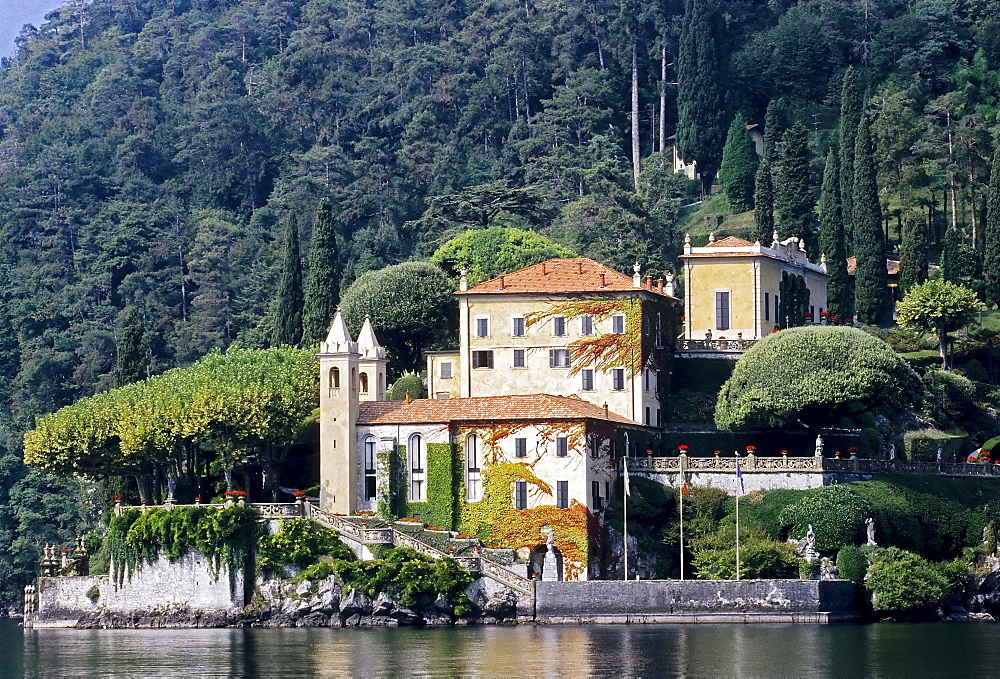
[870, 531]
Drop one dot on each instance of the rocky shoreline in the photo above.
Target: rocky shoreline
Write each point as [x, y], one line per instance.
[285, 603]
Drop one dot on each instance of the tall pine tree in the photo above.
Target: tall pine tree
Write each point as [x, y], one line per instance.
[832, 243]
[132, 361]
[700, 101]
[991, 253]
[871, 281]
[323, 282]
[774, 127]
[912, 253]
[287, 315]
[851, 107]
[795, 197]
[739, 165]
[763, 205]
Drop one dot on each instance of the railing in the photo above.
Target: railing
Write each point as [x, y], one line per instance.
[506, 577]
[710, 345]
[752, 462]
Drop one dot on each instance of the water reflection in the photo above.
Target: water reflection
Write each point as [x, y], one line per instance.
[955, 649]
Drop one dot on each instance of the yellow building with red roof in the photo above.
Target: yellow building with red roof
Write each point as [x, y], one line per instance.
[560, 366]
[737, 292]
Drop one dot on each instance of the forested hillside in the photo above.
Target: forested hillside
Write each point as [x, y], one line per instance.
[152, 152]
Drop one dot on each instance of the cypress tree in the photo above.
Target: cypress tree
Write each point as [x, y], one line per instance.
[774, 127]
[700, 105]
[991, 252]
[132, 362]
[913, 253]
[323, 282]
[763, 205]
[851, 107]
[739, 165]
[871, 283]
[831, 241]
[795, 198]
[287, 328]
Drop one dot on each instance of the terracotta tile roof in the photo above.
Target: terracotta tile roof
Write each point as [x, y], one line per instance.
[730, 242]
[479, 408]
[891, 266]
[573, 274]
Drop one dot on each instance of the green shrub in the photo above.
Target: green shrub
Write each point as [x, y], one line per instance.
[300, 542]
[901, 582]
[852, 564]
[836, 514]
[713, 555]
[924, 445]
[94, 593]
[411, 384]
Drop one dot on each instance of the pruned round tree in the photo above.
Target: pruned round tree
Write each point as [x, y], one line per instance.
[411, 308]
[814, 377]
[938, 306]
[488, 253]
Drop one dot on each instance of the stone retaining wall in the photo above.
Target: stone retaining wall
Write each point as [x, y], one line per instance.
[692, 601]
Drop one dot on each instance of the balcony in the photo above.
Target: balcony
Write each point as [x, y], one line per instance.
[714, 346]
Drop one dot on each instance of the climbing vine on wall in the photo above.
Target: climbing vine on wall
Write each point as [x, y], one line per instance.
[523, 528]
[602, 350]
[443, 492]
[226, 536]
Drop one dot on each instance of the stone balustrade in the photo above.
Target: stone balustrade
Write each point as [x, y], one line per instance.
[751, 463]
[735, 346]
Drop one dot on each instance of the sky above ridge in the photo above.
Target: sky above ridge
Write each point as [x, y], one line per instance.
[16, 13]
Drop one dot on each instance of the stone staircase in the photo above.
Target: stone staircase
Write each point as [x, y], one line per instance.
[395, 537]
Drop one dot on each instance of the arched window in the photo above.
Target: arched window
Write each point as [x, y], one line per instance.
[334, 378]
[370, 460]
[418, 469]
[354, 381]
[381, 385]
[473, 478]
[364, 383]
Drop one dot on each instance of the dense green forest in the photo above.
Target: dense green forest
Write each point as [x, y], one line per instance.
[152, 152]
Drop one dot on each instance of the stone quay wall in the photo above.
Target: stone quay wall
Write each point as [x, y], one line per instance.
[694, 601]
[187, 583]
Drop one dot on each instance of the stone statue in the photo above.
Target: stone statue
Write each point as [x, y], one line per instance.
[810, 539]
[819, 446]
[870, 529]
[806, 547]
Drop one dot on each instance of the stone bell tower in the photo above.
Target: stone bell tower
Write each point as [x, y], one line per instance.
[338, 407]
[372, 365]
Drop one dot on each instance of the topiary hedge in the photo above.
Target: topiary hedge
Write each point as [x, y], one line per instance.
[836, 514]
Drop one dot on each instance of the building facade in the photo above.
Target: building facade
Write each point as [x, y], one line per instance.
[738, 292]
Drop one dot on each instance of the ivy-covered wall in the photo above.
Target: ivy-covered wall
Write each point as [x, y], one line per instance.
[444, 485]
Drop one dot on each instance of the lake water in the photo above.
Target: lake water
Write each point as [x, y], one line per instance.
[879, 650]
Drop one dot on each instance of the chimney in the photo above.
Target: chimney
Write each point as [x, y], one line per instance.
[605, 409]
[579, 268]
[636, 276]
[407, 399]
[602, 281]
[463, 282]
[659, 285]
[543, 268]
[649, 282]
[502, 286]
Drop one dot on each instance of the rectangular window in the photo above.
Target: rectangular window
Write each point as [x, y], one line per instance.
[520, 495]
[518, 358]
[658, 424]
[446, 370]
[562, 446]
[473, 479]
[562, 494]
[586, 325]
[617, 324]
[482, 326]
[559, 326]
[520, 447]
[618, 379]
[517, 329]
[645, 378]
[558, 358]
[587, 377]
[647, 416]
[777, 310]
[722, 311]
[595, 491]
[767, 306]
[443, 394]
[482, 359]
[812, 314]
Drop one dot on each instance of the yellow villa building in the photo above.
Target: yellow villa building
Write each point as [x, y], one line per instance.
[738, 291]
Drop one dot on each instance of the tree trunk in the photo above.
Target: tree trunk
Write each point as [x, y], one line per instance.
[663, 106]
[943, 346]
[635, 116]
[972, 204]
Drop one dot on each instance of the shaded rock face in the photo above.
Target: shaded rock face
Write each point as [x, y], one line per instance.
[324, 603]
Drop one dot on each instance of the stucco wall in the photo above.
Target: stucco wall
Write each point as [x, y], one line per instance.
[695, 601]
[187, 582]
